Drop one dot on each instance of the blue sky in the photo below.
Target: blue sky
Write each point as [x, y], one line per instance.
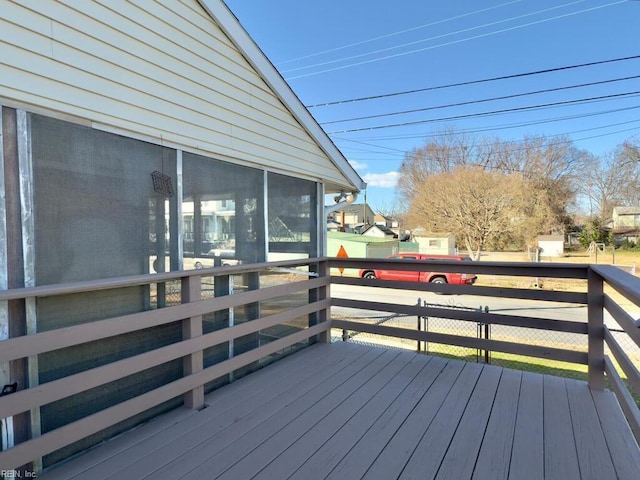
[335, 50]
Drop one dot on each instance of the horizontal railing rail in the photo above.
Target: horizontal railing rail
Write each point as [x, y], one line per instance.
[515, 269]
[470, 342]
[465, 315]
[38, 343]
[502, 292]
[145, 279]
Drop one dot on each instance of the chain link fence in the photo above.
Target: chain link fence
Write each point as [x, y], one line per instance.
[481, 330]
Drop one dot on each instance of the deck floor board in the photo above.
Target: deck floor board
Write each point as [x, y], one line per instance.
[527, 451]
[593, 455]
[495, 455]
[560, 456]
[351, 411]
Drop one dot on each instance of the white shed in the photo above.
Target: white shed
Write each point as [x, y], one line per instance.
[436, 243]
[551, 245]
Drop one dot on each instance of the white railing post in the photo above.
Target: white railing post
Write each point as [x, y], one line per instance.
[595, 316]
[191, 328]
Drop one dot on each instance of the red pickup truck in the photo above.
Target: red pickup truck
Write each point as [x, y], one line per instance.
[422, 276]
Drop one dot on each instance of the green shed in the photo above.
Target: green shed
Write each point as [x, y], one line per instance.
[359, 246]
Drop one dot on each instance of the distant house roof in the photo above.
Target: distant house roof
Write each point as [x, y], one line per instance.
[421, 232]
[550, 238]
[382, 228]
[354, 237]
[355, 208]
[626, 210]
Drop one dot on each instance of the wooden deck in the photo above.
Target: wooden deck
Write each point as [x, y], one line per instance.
[345, 411]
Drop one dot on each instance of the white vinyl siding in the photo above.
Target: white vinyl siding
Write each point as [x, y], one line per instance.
[158, 70]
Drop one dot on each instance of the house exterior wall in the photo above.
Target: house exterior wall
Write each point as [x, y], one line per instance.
[159, 71]
[353, 215]
[350, 219]
[383, 250]
[626, 220]
[132, 117]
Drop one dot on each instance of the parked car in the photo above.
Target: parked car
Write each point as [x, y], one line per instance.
[423, 275]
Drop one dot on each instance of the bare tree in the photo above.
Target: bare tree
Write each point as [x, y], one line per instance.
[549, 169]
[445, 152]
[631, 150]
[475, 205]
[611, 180]
[552, 167]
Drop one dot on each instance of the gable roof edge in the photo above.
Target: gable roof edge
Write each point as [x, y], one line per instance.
[232, 27]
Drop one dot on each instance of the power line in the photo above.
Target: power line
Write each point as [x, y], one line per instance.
[397, 151]
[388, 35]
[474, 82]
[453, 42]
[329, 62]
[494, 112]
[500, 127]
[484, 100]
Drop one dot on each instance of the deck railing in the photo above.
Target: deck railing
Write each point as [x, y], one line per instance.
[268, 292]
[188, 311]
[621, 297]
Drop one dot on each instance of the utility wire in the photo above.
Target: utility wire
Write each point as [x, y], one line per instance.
[484, 114]
[497, 127]
[388, 35]
[484, 100]
[382, 50]
[453, 42]
[474, 82]
[400, 152]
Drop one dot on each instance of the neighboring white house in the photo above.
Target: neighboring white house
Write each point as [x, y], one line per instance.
[354, 216]
[551, 245]
[626, 217]
[389, 222]
[625, 224]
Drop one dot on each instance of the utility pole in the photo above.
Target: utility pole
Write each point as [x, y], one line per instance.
[364, 210]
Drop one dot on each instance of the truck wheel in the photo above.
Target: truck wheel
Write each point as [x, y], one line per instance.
[369, 275]
[439, 280]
